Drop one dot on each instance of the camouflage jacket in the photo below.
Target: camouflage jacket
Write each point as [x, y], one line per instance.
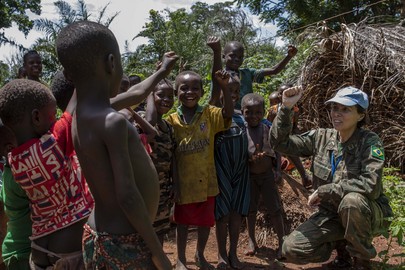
[359, 169]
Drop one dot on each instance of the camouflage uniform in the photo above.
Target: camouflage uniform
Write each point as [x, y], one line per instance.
[353, 206]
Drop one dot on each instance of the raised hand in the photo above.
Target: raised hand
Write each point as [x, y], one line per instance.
[291, 96]
[168, 61]
[214, 43]
[158, 65]
[222, 77]
[292, 50]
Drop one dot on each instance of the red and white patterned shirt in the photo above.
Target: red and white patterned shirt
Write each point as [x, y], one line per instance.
[49, 171]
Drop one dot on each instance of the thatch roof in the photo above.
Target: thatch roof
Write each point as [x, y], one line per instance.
[370, 57]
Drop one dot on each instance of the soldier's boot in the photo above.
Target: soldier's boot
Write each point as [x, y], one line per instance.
[360, 264]
[343, 259]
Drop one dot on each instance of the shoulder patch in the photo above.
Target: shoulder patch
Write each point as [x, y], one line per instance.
[377, 152]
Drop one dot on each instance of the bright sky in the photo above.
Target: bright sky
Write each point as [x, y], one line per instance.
[132, 17]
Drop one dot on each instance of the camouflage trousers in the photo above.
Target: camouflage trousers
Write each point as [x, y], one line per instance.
[357, 221]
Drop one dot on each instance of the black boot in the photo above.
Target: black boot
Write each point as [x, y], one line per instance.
[360, 264]
[343, 259]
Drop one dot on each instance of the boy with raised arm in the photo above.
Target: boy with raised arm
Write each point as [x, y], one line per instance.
[121, 176]
[233, 56]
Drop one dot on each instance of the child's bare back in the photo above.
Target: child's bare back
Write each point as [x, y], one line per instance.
[104, 138]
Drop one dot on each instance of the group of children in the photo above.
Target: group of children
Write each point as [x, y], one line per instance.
[100, 182]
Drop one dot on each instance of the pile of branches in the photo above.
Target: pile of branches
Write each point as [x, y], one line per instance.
[371, 58]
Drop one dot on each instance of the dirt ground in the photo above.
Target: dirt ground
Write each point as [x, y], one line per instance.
[294, 198]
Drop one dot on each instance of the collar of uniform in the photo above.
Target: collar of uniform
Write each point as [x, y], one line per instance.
[352, 143]
[180, 110]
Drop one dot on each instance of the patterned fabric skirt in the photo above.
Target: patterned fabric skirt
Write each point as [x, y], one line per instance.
[102, 250]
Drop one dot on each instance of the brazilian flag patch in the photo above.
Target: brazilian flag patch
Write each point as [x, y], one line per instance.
[377, 152]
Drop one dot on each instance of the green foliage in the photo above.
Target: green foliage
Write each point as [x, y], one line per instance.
[14, 11]
[4, 73]
[294, 14]
[266, 55]
[186, 33]
[394, 188]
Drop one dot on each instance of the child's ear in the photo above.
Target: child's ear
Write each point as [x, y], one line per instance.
[9, 147]
[110, 63]
[35, 117]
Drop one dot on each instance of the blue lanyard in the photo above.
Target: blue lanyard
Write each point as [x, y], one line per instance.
[334, 162]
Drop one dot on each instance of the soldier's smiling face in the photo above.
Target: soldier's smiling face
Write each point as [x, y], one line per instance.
[345, 118]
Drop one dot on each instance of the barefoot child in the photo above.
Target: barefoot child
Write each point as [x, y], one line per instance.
[122, 178]
[194, 130]
[45, 165]
[231, 163]
[261, 171]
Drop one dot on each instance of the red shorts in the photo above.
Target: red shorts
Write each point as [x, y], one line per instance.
[196, 214]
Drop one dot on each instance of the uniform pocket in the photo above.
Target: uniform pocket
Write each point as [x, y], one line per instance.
[321, 169]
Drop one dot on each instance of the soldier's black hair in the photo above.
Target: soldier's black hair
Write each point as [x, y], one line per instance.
[62, 89]
[19, 97]
[365, 119]
[81, 45]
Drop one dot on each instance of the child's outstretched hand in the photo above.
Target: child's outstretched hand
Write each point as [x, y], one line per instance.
[214, 43]
[291, 96]
[292, 50]
[168, 61]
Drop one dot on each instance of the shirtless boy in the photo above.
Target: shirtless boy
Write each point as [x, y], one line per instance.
[119, 172]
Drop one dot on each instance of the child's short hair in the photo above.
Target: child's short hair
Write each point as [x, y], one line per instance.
[81, 45]
[275, 94]
[233, 43]
[21, 96]
[21, 73]
[134, 79]
[163, 82]
[187, 72]
[62, 89]
[252, 98]
[29, 53]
